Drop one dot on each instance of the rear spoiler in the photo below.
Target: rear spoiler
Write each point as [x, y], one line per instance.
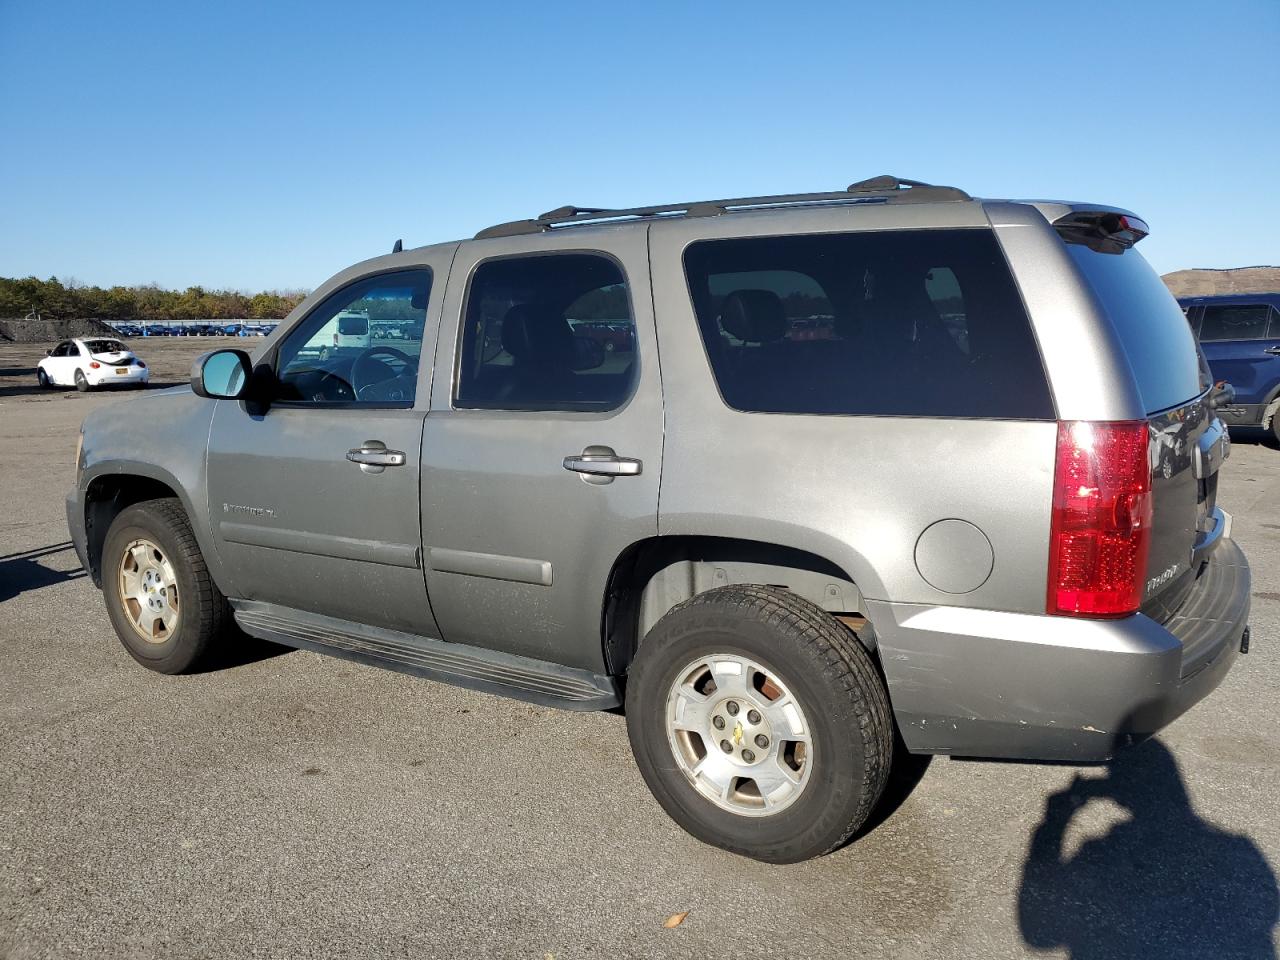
[1103, 231]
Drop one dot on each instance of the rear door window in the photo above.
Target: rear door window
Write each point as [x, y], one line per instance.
[902, 323]
[552, 332]
[1235, 321]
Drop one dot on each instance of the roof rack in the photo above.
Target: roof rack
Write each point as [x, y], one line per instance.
[884, 189]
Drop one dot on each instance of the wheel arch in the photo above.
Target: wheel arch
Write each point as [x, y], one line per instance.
[651, 576]
[115, 486]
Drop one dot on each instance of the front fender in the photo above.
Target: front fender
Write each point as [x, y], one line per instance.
[163, 439]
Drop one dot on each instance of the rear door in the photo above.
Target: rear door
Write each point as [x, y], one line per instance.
[1186, 442]
[543, 449]
[1241, 341]
[314, 503]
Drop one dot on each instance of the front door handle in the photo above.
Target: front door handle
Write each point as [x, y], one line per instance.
[374, 457]
[599, 464]
[1274, 351]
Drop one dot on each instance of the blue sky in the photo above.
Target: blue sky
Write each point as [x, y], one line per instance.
[267, 145]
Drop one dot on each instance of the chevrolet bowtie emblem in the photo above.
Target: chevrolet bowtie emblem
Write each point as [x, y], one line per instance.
[737, 734]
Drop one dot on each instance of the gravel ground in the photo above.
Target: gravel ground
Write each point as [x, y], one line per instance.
[291, 805]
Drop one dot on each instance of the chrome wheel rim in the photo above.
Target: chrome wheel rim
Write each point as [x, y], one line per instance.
[739, 735]
[149, 591]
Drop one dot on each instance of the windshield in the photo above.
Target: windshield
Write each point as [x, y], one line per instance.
[104, 346]
[1151, 326]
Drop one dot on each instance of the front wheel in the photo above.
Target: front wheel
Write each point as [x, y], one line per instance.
[42, 378]
[164, 605]
[760, 723]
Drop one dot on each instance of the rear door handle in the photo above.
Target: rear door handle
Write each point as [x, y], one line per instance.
[374, 457]
[599, 464]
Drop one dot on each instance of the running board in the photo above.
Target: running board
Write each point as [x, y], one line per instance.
[476, 668]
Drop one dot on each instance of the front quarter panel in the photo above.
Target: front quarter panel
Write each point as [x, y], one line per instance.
[164, 437]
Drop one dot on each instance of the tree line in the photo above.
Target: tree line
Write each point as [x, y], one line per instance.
[55, 300]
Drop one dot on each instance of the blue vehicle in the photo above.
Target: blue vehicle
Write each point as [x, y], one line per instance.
[1240, 336]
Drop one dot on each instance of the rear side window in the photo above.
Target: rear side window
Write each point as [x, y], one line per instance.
[921, 323]
[551, 332]
[1152, 327]
[1237, 322]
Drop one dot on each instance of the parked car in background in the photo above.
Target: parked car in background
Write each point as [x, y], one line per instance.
[611, 335]
[977, 518]
[1240, 337]
[91, 362]
[347, 331]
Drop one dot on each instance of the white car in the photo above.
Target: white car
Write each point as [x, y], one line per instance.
[91, 362]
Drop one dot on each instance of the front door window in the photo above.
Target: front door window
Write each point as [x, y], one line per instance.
[362, 345]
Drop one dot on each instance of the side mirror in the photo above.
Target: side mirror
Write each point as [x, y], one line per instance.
[221, 374]
[49, 352]
[1223, 394]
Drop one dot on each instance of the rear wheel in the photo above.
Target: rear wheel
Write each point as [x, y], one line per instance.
[760, 723]
[164, 606]
[82, 384]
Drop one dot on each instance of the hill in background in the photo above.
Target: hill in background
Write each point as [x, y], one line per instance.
[1207, 283]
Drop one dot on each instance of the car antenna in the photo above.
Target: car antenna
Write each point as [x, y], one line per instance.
[398, 247]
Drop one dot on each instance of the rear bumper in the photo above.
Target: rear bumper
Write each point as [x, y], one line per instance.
[1019, 686]
[107, 376]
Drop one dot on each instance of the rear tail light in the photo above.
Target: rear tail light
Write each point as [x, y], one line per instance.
[140, 363]
[94, 365]
[1101, 527]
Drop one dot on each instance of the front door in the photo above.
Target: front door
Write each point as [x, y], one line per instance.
[315, 502]
[542, 452]
[64, 360]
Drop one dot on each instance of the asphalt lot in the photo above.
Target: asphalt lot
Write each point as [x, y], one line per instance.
[291, 805]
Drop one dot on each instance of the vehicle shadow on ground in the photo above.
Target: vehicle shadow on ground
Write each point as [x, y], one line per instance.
[34, 389]
[21, 571]
[22, 388]
[1253, 436]
[905, 774]
[1164, 883]
[238, 649]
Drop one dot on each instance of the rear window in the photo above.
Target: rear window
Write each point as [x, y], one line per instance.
[353, 325]
[922, 323]
[1152, 328]
[104, 346]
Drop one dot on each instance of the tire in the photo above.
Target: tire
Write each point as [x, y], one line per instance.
[805, 656]
[198, 611]
[42, 378]
[81, 383]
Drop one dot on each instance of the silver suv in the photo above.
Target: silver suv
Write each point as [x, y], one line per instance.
[805, 482]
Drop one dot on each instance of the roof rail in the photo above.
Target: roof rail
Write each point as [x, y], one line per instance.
[885, 189]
